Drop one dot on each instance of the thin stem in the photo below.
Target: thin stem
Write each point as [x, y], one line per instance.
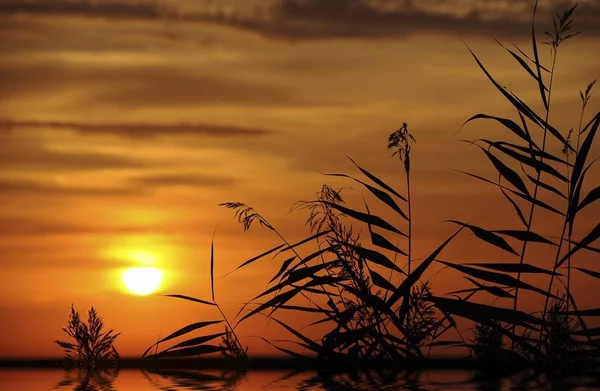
[408, 315]
[232, 330]
[536, 187]
[566, 222]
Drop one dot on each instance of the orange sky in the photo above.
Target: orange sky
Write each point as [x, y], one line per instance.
[123, 126]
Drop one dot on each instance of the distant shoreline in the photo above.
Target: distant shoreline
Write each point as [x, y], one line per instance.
[280, 364]
[255, 363]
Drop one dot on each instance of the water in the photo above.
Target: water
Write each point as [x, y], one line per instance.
[137, 380]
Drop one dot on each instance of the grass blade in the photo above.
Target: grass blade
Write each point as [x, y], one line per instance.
[187, 352]
[381, 281]
[588, 272]
[378, 181]
[484, 313]
[256, 258]
[514, 268]
[508, 173]
[487, 236]
[525, 236]
[365, 218]
[497, 278]
[404, 288]
[381, 195]
[191, 299]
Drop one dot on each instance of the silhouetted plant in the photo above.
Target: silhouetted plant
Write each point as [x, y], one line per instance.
[371, 316]
[230, 346]
[85, 380]
[487, 341]
[545, 181]
[91, 346]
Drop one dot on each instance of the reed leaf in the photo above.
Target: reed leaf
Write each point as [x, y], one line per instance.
[538, 165]
[483, 313]
[196, 341]
[187, 352]
[404, 288]
[374, 256]
[378, 181]
[590, 238]
[494, 290]
[381, 281]
[508, 123]
[536, 57]
[588, 272]
[189, 298]
[525, 236]
[291, 353]
[583, 152]
[516, 208]
[306, 240]
[187, 329]
[380, 241]
[508, 173]
[310, 344]
[381, 195]
[514, 268]
[546, 186]
[487, 236]
[497, 278]
[588, 312]
[256, 258]
[284, 266]
[591, 197]
[365, 218]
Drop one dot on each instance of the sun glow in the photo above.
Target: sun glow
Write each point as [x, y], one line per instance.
[142, 280]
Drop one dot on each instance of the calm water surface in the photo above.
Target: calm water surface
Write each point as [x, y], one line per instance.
[136, 380]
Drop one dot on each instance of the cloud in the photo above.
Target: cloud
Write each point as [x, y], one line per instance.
[326, 19]
[319, 19]
[135, 130]
[16, 154]
[199, 180]
[12, 187]
[112, 9]
[132, 86]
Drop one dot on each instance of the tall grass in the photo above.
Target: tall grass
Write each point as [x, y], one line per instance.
[546, 181]
[357, 274]
[230, 347]
[91, 346]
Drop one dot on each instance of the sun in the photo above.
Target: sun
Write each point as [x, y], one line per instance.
[142, 280]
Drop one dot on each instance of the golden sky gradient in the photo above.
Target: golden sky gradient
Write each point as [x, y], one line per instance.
[123, 124]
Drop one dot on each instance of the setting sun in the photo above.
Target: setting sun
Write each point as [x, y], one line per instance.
[142, 280]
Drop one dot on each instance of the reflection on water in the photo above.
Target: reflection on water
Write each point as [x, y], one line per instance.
[179, 380]
[82, 380]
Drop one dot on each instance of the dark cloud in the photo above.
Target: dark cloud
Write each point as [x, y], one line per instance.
[43, 189]
[113, 9]
[150, 86]
[133, 130]
[15, 155]
[199, 180]
[324, 19]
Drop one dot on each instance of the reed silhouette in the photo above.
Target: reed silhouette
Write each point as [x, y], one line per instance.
[91, 346]
[368, 287]
[86, 380]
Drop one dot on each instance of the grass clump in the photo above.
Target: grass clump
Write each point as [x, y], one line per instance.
[230, 347]
[91, 346]
[357, 272]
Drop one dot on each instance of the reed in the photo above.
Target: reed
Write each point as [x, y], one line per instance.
[91, 346]
[230, 347]
[349, 272]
